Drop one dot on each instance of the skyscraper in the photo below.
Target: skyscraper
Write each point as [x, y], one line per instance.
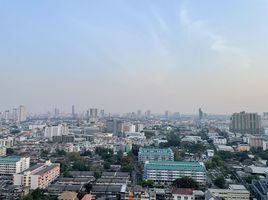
[22, 113]
[73, 111]
[93, 112]
[200, 114]
[15, 114]
[245, 123]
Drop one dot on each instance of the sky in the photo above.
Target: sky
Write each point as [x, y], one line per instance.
[175, 55]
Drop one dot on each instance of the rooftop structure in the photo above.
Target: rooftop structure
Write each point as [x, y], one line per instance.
[155, 154]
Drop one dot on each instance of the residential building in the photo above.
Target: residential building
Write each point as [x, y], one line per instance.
[245, 123]
[167, 171]
[155, 154]
[38, 176]
[22, 113]
[59, 130]
[182, 194]
[243, 147]
[219, 140]
[3, 151]
[256, 141]
[13, 164]
[7, 142]
[227, 194]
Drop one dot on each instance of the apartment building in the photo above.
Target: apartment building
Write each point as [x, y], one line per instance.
[38, 176]
[165, 172]
[155, 154]
[10, 165]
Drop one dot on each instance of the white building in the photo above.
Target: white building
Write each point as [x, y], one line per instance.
[265, 145]
[220, 140]
[7, 142]
[210, 152]
[139, 127]
[22, 113]
[167, 171]
[59, 130]
[13, 164]
[38, 176]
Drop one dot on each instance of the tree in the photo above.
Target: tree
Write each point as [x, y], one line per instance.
[88, 187]
[149, 184]
[220, 182]
[107, 165]
[185, 182]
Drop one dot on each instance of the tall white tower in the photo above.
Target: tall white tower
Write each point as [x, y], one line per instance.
[22, 113]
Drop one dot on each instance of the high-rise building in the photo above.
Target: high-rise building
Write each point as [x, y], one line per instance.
[167, 113]
[6, 115]
[22, 113]
[73, 111]
[93, 112]
[245, 123]
[15, 114]
[114, 126]
[38, 176]
[13, 164]
[148, 113]
[56, 112]
[139, 113]
[59, 130]
[102, 113]
[200, 114]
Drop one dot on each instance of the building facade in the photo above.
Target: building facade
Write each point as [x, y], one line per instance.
[155, 154]
[38, 176]
[245, 123]
[13, 164]
[167, 171]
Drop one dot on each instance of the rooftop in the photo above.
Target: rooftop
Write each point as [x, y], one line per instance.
[155, 151]
[183, 191]
[10, 159]
[170, 165]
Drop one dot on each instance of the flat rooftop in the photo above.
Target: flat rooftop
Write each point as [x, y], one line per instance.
[174, 166]
[155, 151]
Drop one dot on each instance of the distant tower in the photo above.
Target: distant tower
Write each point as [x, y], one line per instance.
[200, 113]
[56, 112]
[73, 111]
[167, 114]
[15, 114]
[22, 113]
[138, 113]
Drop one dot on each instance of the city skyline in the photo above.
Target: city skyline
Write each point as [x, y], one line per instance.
[123, 56]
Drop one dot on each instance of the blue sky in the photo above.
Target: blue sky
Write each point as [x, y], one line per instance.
[137, 54]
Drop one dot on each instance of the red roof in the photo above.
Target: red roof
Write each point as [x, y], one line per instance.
[183, 191]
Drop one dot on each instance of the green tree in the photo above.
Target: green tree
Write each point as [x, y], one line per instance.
[220, 182]
[185, 182]
[149, 184]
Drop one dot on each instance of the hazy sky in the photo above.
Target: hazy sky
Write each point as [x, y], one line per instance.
[124, 55]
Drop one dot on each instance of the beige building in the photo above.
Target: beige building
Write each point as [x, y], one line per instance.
[243, 147]
[3, 151]
[227, 194]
